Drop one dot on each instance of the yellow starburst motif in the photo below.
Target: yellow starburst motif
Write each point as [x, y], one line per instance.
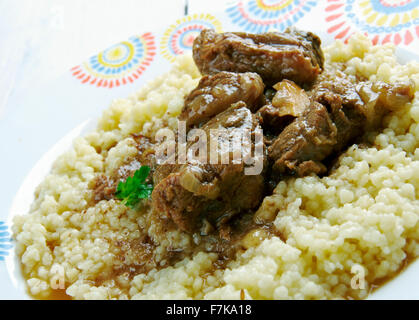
[262, 15]
[117, 57]
[382, 20]
[178, 38]
[273, 5]
[120, 64]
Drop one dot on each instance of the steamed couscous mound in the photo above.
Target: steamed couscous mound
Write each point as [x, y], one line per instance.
[363, 216]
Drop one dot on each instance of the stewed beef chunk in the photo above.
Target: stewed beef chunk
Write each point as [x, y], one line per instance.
[359, 107]
[303, 144]
[288, 103]
[197, 194]
[218, 92]
[391, 97]
[341, 111]
[293, 55]
[337, 92]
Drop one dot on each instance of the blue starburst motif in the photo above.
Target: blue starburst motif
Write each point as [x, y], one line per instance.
[261, 15]
[5, 241]
[118, 65]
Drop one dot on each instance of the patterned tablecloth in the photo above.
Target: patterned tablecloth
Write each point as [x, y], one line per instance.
[383, 21]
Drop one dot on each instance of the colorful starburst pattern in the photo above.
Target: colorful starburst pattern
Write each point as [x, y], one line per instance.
[5, 244]
[262, 15]
[383, 21]
[118, 65]
[179, 37]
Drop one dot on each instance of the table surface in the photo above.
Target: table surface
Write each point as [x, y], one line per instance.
[40, 40]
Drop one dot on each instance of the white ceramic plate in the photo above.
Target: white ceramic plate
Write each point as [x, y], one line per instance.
[44, 125]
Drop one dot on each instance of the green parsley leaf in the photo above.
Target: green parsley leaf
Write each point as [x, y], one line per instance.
[134, 189]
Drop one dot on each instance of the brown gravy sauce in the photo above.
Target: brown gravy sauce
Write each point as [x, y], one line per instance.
[244, 233]
[55, 295]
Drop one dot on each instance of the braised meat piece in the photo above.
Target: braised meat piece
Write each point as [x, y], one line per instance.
[216, 93]
[303, 144]
[341, 111]
[338, 94]
[357, 107]
[293, 55]
[391, 97]
[288, 103]
[200, 195]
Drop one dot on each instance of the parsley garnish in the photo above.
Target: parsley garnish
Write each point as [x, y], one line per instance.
[134, 189]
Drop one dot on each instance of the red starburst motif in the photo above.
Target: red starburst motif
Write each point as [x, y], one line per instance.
[118, 65]
[382, 21]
